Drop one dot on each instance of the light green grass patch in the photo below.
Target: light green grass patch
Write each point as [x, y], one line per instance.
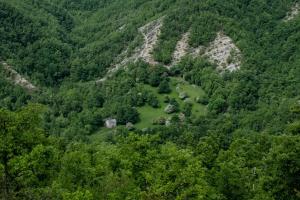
[193, 92]
[149, 114]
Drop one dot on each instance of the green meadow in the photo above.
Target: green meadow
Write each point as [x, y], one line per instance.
[148, 114]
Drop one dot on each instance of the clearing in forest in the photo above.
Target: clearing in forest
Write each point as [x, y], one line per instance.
[178, 86]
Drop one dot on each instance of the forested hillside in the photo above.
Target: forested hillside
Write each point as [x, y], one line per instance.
[150, 99]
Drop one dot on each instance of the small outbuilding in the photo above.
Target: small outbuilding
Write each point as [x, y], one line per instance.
[110, 123]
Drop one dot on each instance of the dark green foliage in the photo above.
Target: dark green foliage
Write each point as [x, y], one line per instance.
[204, 30]
[11, 96]
[203, 100]
[187, 109]
[17, 30]
[175, 25]
[175, 104]
[164, 87]
[47, 61]
[153, 101]
[245, 146]
[125, 114]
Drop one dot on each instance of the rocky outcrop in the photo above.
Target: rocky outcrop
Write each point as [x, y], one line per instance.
[17, 79]
[224, 53]
[293, 13]
[182, 49]
[150, 33]
[169, 109]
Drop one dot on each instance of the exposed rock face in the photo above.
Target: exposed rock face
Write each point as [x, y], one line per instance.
[150, 32]
[293, 13]
[170, 109]
[17, 79]
[224, 53]
[181, 49]
[221, 51]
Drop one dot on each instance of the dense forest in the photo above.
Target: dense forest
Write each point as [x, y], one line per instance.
[184, 129]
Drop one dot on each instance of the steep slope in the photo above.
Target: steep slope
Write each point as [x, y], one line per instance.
[181, 49]
[224, 53]
[33, 37]
[150, 33]
[16, 78]
[186, 127]
[294, 12]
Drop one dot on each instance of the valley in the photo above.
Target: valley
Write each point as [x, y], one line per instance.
[149, 99]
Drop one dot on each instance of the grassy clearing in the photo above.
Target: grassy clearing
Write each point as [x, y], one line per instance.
[177, 85]
[148, 114]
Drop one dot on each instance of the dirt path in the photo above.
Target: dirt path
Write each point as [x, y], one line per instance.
[17, 79]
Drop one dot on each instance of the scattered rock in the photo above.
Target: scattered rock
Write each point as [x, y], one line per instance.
[293, 13]
[130, 126]
[221, 51]
[181, 117]
[159, 121]
[181, 49]
[121, 27]
[195, 52]
[150, 32]
[17, 79]
[168, 122]
[170, 109]
[224, 53]
[188, 100]
[183, 95]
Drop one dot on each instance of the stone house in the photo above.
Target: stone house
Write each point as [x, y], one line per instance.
[110, 123]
